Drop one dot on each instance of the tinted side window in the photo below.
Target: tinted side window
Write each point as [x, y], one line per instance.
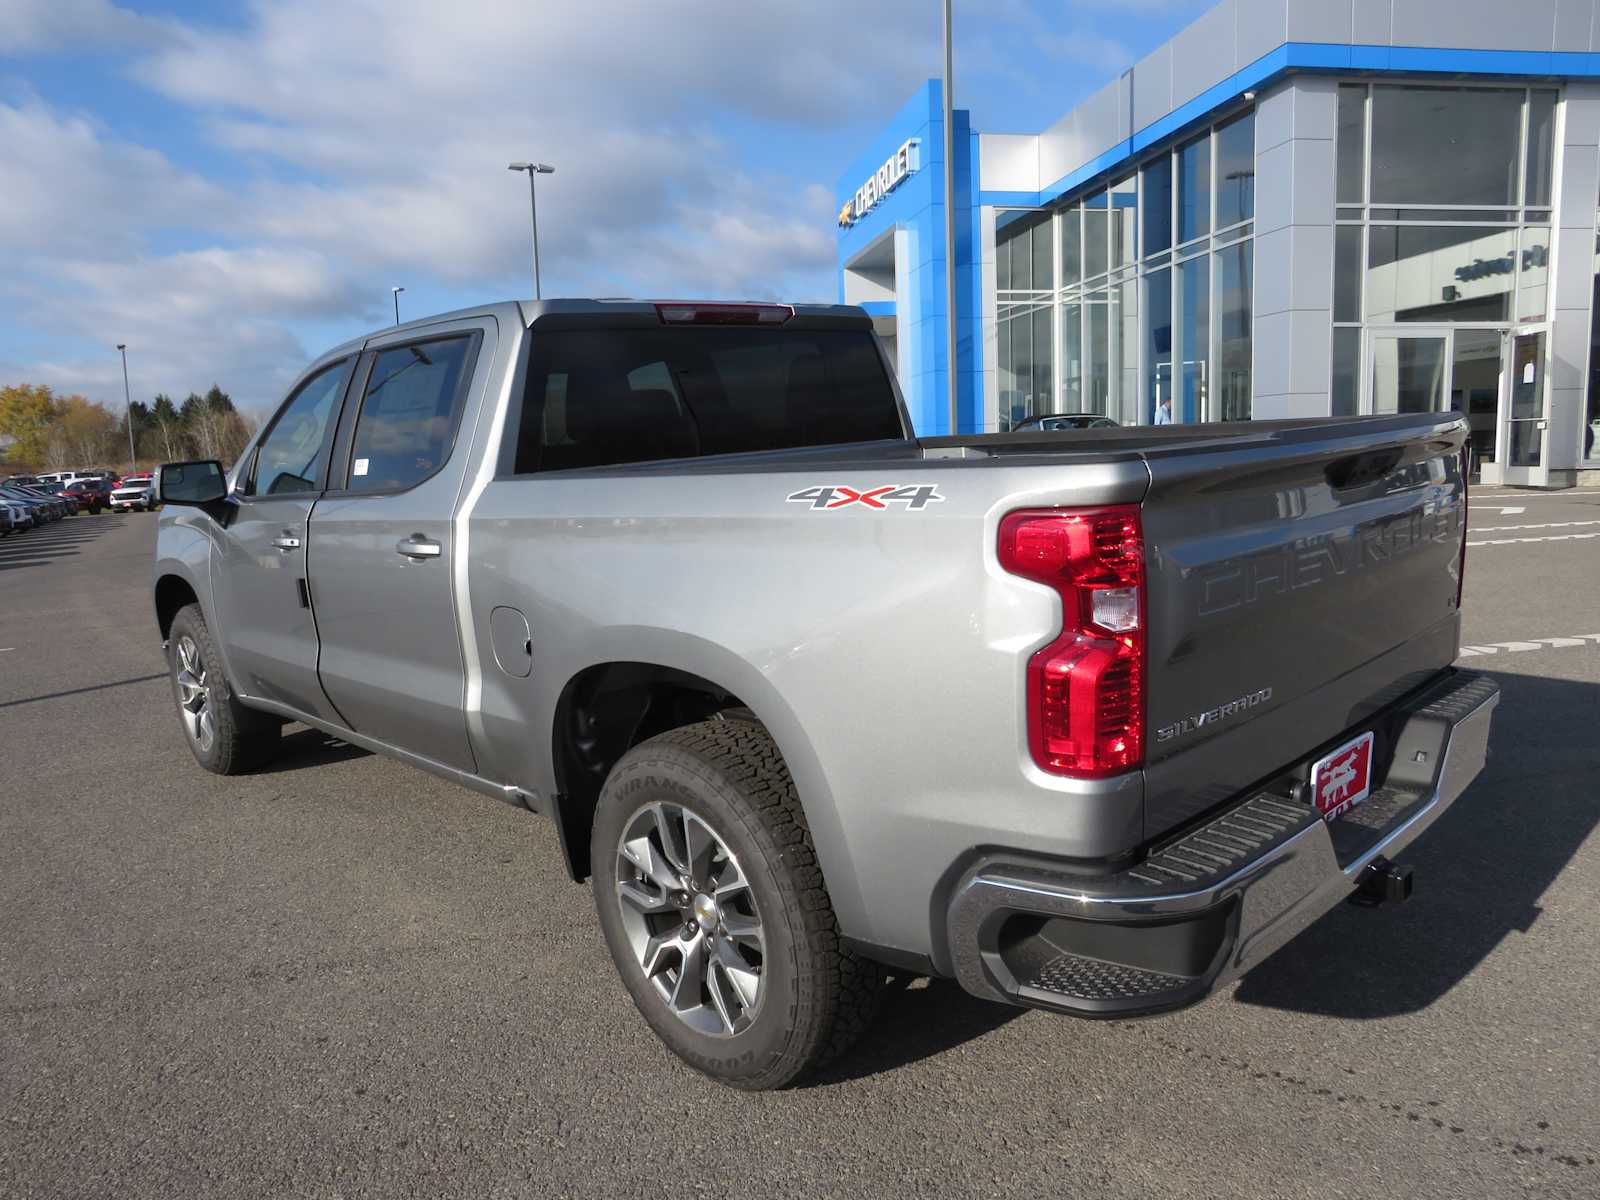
[293, 457]
[598, 397]
[409, 413]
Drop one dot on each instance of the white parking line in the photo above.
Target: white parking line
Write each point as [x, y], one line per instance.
[1552, 643]
[1546, 525]
[1510, 511]
[1554, 537]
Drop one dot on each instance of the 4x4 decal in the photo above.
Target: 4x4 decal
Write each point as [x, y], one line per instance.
[915, 496]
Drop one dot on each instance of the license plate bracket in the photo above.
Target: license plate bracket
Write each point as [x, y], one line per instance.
[1343, 779]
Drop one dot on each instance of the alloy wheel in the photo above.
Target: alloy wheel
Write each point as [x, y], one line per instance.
[691, 919]
[194, 698]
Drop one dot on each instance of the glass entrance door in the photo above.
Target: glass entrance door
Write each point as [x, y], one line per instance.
[1409, 370]
[1523, 420]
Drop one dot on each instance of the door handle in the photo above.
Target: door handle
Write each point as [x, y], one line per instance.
[286, 542]
[418, 547]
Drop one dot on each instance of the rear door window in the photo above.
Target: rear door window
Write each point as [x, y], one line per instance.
[409, 413]
[605, 396]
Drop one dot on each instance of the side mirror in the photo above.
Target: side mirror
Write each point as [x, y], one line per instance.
[192, 483]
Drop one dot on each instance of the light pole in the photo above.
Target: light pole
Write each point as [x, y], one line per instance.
[127, 398]
[533, 169]
[397, 291]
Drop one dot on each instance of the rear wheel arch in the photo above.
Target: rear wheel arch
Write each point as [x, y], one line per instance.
[608, 708]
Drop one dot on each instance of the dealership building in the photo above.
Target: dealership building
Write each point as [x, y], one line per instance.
[1293, 208]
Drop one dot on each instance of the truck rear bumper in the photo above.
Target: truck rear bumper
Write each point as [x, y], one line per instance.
[1205, 908]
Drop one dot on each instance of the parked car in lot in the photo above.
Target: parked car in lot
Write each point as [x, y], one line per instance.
[133, 492]
[1090, 721]
[14, 518]
[93, 493]
[1047, 422]
[64, 493]
[44, 508]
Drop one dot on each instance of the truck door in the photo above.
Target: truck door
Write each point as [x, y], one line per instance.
[262, 606]
[382, 542]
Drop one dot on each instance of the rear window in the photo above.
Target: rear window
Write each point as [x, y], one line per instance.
[598, 397]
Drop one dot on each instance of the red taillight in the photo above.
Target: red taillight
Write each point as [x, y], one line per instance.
[723, 314]
[1086, 688]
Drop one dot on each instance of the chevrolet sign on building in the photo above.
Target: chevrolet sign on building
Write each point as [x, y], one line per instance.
[880, 183]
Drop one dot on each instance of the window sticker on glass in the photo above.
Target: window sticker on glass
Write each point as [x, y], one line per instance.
[360, 468]
[1527, 373]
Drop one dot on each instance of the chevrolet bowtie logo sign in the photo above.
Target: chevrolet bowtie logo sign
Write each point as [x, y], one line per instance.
[879, 184]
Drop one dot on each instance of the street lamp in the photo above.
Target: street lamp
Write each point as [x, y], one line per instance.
[397, 291]
[127, 398]
[533, 169]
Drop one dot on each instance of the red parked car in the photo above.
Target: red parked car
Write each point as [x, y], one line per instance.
[92, 494]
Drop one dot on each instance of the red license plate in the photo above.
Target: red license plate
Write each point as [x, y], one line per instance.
[1343, 779]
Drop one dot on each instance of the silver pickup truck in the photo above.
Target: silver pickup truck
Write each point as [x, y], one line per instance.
[1091, 721]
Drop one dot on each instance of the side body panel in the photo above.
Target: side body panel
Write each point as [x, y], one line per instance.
[883, 648]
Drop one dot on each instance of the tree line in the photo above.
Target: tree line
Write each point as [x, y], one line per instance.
[56, 432]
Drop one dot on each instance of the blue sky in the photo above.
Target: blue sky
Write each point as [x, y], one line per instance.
[232, 188]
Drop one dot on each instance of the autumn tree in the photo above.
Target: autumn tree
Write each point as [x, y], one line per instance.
[83, 432]
[166, 430]
[27, 412]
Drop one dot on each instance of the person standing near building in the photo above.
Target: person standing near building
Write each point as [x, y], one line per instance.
[1164, 411]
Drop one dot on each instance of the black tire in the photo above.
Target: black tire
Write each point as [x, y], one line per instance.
[815, 997]
[241, 738]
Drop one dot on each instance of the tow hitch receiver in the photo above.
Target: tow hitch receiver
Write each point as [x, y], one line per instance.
[1382, 881]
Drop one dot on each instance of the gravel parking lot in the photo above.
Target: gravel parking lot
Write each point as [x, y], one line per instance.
[343, 977]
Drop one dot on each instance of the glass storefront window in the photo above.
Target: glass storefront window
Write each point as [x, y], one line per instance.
[1234, 312]
[1097, 376]
[1125, 352]
[1445, 145]
[1124, 223]
[1439, 273]
[1194, 189]
[1158, 347]
[1533, 274]
[1346, 371]
[1352, 150]
[1023, 251]
[1236, 171]
[1095, 222]
[1071, 357]
[1194, 339]
[1158, 205]
[1043, 359]
[1347, 273]
[1541, 151]
[1026, 366]
[1071, 246]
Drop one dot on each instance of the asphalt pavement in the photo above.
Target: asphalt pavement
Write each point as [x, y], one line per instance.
[343, 977]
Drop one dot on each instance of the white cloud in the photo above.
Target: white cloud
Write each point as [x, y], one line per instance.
[372, 140]
[34, 26]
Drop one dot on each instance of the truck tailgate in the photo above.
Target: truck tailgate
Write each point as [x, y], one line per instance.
[1298, 582]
